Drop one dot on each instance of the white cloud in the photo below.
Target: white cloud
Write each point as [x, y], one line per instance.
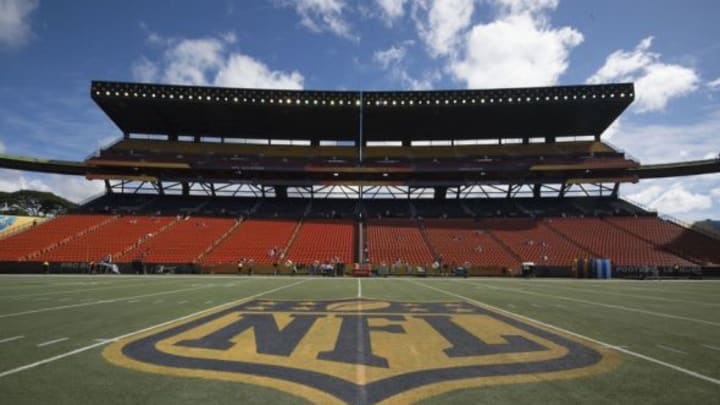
[715, 84]
[321, 15]
[525, 6]
[440, 23]
[390, 56]
[660, 143]
[514, 51]
[73, 188]
[716, 193]
[391, 9]
[393, 59]
[14, 25]
[671, 199]
[656, 83]
[205, 61]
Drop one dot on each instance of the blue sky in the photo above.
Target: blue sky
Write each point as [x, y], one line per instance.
[51, 50]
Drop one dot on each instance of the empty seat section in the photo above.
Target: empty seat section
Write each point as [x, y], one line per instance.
[109, 239]
[46, 235]
[182, 243]
[674, 238]
[605, 240]
[389, 240]
[252, 240]
[323, 240]
[533, 241]
[459, 241]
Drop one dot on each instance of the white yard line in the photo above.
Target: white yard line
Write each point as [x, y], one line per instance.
[35, 311]
[183, 302]
[600, 304]
[10, 339]
[671, 349]
[98, 344]
[359, 294]
[717, 349]
[587, 338]
[52, 342]
[119, 285]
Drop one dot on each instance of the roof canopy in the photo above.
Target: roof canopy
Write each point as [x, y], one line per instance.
[138, 108]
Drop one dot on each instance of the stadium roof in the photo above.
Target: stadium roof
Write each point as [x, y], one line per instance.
[547, 112]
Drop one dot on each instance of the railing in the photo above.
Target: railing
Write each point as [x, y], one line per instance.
[621, 150]
[686, 225]
[641, 205]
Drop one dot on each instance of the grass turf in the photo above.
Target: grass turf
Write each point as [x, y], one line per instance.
[675, 322]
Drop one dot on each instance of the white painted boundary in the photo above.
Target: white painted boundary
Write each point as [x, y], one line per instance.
[359, 294]
[52, 342]
[600, 304]
[85, 304]
[159, 325]
[10, 339]
[589, 339]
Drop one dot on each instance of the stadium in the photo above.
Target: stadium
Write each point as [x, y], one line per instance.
[456, 246]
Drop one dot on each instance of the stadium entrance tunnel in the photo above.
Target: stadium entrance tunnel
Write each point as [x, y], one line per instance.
[361, 351]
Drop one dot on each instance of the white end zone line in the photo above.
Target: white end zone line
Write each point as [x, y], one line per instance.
[589, 339]
[159, 325]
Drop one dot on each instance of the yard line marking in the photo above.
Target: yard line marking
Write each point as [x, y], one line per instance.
[84, 304]
[589, 339]
[639, 296]
[52, 342]
[708, 346]
[10, 339]
[671, 349]
[359, 295]
[183, 302]
[116, 338]
[133, 301]
[623, 308]
[86, 289]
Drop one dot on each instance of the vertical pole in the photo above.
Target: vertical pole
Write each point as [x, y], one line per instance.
[361, 246]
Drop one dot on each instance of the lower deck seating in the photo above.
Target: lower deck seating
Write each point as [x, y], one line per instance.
[604, 240]
[389, 240]
[253, 239]
[110, 239]
[671, 237]
[533, 241]
[323, 240]
[458, 241]
[182, 243]
[45, 235]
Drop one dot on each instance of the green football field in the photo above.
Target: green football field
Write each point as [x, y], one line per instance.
[284, 340]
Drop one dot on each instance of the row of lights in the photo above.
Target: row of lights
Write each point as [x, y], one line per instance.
[377, 103]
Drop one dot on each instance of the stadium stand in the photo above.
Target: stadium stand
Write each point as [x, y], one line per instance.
[323, 240]
[48, 235]
[392, 239]
[533, 241]
[113, 238]
[605, 240]
[458, 241]
[253, 239]
[671, 237]
[187, 240]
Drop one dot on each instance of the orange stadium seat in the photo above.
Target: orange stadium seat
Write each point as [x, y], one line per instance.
[252, 240]
[323, 240]
[389, 240]
[183, 243]
[605, 240]
[110, 239]
[462, 240]
[46, 235]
